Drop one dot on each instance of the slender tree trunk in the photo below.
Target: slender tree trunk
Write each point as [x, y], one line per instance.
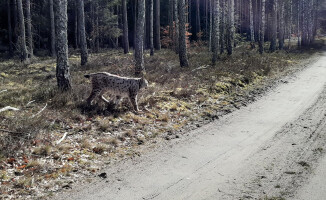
[22, 36]
[151, 27]
[281, 26]
[272, 47]
[216, 34]
[298, 25]
[198, 29]
[252, 31]
[29, 28]
[222, 25]
[290, 22]
[53, 52]
[16, 22]
[76, 26]
[11, 52]
[82, 32]
[157, 37]
[210, 25]
[139, 48]
[97, 31]
[182, 34]
[230, 36]
[262, 28]
[125, 27]
[176, 26]
[62, 70]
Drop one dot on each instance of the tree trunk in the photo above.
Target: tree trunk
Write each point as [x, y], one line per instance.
[262, 28]
[62, 70]
[222, 26]
[125, 27]
[151, 27]
[198, 29]
[82, 32]
[176, 26]
[272, 47]
[216, 28]
[182, 34]
[22, 36]
[210, 26]
[97, 31]
[230, 30]
[53, 52]
[139, 48]
[29, 28]
[11, 52]
[281, 25]
[157, 37]
[252, 31]
[76, 26]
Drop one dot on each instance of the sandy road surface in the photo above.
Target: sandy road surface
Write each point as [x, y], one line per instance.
[267, 149]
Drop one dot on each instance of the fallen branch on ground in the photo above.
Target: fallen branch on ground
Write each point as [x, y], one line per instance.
[40, 111]
[7, 131]
[3, 91]
[63, 137]
[8, 108]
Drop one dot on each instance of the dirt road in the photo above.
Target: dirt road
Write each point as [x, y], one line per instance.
[268, 149]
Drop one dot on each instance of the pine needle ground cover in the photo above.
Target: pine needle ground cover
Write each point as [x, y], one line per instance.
[54, 140]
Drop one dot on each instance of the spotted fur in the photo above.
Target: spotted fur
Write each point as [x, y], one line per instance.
[117, 86]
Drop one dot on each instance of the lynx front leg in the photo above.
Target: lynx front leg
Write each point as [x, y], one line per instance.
[133, 100]
[92, 96]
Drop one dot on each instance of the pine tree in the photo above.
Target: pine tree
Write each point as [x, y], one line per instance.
[29, 29]
[22, 36]
[125, 27]
[62, 69]
[53, 52]
[139, 44]
[157, 37]
[82, 32]
[11, 51]
[151, 27]
[216, 33]
[230, 27]
[262, 28]
[182, 34]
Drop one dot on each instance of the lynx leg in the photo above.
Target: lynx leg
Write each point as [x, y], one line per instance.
[92, 96]
[133, 100]
[103, 98]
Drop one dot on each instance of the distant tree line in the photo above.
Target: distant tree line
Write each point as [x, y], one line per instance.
[29, 27]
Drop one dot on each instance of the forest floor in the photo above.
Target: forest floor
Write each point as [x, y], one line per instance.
[36, 163]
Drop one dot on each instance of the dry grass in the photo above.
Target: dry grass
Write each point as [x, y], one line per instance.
[177, 99]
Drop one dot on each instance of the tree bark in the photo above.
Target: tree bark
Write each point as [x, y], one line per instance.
[22, 36]
[230, 37]
[11, 52]
[216, 28]
[82, 32]
[151, 27]
[125, 27]
[198, 29]
[62, 70]
[262, 28]
[139, 48]
[182, 34]
[252, 31]
[29, 28]
[210, 26]
[53, 52]
[176, 26]
[97, 29]
[272, 47]
[222, 25]
[281, 25]
[76, 26]
[157, 37]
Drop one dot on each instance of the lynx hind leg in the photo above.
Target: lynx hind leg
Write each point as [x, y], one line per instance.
[133, 100]
[93, 95]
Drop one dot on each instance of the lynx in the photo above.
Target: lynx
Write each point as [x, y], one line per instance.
[117, 86]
